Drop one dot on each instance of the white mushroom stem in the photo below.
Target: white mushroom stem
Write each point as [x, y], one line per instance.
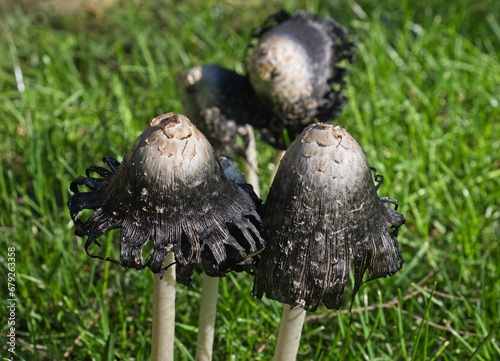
[277, 159]
[251, 156]
[164, 314]
[206, 324]
[288, 343]
[209, 292]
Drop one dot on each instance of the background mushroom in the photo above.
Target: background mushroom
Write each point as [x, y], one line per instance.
[295, 69]
[169, 191]
[322, 215]
[295, 75]
[220, 102]
[224, 107]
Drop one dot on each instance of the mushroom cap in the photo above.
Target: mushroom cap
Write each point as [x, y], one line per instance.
[170, 190]
[295, 65]
[322, 214]
[221, 102]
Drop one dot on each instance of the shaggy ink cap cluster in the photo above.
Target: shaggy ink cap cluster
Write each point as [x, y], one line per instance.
[321, 216]
[169, 191]
[295, 69]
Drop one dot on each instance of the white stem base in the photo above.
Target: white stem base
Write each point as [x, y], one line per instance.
[162, 348]
[288, 343]
[206, 324]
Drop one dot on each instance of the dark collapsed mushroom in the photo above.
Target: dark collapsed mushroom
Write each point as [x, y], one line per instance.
[322, 214]
[295, 68]
[169, 190]
[294, 75]
[220, 102]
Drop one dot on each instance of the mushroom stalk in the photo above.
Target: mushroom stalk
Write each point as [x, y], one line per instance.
[278, 156]
[251, 157]
[162, 348]
[206, 324]
[209, 292]
[291, 324]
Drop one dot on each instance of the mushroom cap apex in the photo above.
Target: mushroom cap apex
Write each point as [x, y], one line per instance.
[325, 135]
[174, 126]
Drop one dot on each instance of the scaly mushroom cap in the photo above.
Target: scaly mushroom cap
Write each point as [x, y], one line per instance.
[221, 102]
[321, 215]
[295, 71]
[169, 190]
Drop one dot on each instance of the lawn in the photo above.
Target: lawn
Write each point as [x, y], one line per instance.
[424, 103]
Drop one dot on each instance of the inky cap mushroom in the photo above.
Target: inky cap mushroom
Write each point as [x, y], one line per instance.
[170, 191]
[323, 214]
[220, 103]
[295, 68]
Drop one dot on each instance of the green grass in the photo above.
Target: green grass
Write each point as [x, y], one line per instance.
[424, 104]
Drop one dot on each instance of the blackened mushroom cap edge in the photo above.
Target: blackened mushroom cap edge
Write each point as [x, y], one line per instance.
[170, 190]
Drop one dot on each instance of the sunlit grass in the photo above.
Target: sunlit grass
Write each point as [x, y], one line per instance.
[424, 105]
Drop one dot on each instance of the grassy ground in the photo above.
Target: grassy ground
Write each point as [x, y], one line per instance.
[424, 104]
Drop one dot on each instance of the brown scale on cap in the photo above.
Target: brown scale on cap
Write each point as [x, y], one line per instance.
[171, 191]
[323, 215]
